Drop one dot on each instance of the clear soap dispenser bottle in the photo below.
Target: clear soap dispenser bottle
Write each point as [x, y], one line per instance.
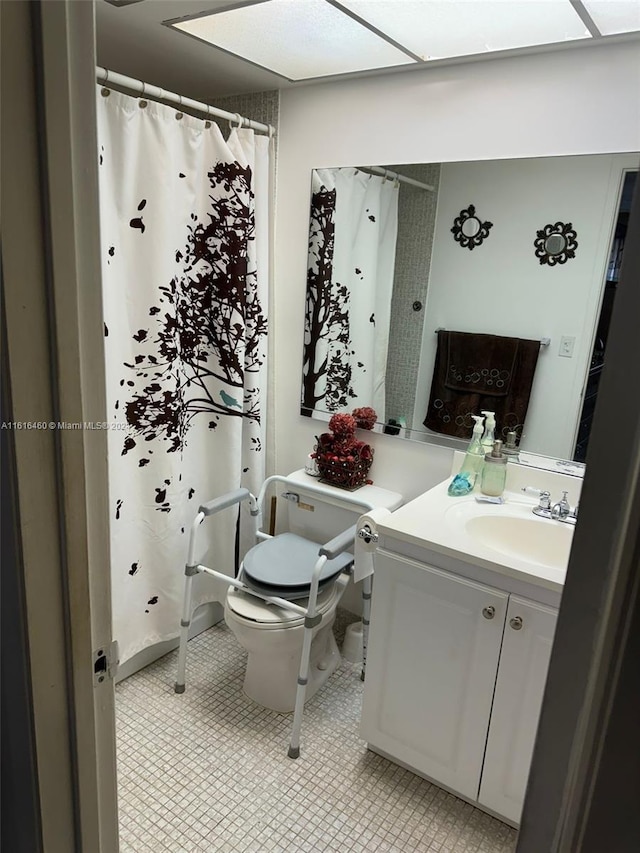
[494, 473]
[465, 480]
[489, 432]
[474, 457]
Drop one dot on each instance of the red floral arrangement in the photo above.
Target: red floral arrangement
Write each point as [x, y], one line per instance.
[342, 459]
[365, 417]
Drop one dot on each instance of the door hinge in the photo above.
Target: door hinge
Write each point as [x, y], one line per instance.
[105, 663]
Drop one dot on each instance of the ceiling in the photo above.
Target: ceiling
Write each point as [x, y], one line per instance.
[132, 40]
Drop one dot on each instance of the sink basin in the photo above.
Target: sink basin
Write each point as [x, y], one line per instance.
[541, 541]
[513, 531]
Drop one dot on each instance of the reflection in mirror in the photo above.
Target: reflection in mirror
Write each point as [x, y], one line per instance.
[554, 244]
[468, 230]
[378, 246]
[471, 226]
[352, 245]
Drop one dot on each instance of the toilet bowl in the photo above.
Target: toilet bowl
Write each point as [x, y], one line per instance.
[272, 637]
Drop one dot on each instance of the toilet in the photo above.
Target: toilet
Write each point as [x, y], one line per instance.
[291, 650]
[271, 634]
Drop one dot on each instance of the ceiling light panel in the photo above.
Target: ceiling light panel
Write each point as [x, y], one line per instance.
[436, 29]
[298, 39]
[614, 16]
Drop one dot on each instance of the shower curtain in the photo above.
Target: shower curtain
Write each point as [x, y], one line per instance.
[352, 245]
[184, 223]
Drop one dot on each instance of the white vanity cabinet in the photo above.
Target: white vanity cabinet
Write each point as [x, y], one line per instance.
[431, 669]
[455, 676]
[522, 673]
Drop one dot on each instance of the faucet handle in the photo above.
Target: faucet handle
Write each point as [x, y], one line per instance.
[545, 497]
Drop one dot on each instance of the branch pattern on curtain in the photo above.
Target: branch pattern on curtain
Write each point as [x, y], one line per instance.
[184, 232]
[208, 324]
[352, 244]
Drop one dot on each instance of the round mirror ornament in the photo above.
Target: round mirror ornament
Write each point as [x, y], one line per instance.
[555, 244]
[469, 230]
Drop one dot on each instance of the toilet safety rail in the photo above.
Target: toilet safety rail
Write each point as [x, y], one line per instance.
[328, 551]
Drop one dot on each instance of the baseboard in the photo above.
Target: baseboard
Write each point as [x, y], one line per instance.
[205, 617]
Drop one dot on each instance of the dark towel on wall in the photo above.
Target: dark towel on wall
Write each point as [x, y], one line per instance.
[473, 372]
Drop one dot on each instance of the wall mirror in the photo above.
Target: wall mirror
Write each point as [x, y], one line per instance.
[469, 230]
[385, 274]
[555, 244]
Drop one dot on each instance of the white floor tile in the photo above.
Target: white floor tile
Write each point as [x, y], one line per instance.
[207, 770]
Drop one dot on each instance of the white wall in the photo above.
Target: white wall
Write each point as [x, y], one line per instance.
[584, 100]
[501, 288]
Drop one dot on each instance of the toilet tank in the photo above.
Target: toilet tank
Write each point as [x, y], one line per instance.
[315, 518]
[321, 517]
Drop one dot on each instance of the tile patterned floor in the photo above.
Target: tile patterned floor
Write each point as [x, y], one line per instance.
[208, 771]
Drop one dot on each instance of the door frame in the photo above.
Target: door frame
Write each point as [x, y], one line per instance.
[619, 171]
[53, 301]
[574, 801]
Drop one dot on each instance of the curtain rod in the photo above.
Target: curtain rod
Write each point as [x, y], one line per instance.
[155, 92]
[387, 173]
[544, 342]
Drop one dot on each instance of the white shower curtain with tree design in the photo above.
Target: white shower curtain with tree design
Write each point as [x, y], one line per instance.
[184, 223]
[352, 247]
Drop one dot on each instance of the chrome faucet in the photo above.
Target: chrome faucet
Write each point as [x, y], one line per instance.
[560, 511]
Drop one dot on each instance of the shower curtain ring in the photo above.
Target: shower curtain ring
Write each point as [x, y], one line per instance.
[142, 103]
[104, 91]
[238, 118]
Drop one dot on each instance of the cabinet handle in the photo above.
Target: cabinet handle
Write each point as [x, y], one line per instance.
[488, 612]
[516, 623]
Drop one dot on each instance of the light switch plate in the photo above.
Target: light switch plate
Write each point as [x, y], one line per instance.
[566, 346]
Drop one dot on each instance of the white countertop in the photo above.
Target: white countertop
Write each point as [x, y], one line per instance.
[435, 521]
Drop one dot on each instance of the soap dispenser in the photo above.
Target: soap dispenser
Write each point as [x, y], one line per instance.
[472, 464]
[474, 457]
[511, 448]
[494, 472]
[489, 432]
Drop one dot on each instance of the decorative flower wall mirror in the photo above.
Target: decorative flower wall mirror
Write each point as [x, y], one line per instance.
[469, 230]
[555, 244]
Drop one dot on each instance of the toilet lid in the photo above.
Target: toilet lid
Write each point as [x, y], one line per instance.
[254, 609]
[288, 560]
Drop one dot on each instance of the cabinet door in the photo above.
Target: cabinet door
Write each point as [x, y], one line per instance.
[431, 669]
[524, 661]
